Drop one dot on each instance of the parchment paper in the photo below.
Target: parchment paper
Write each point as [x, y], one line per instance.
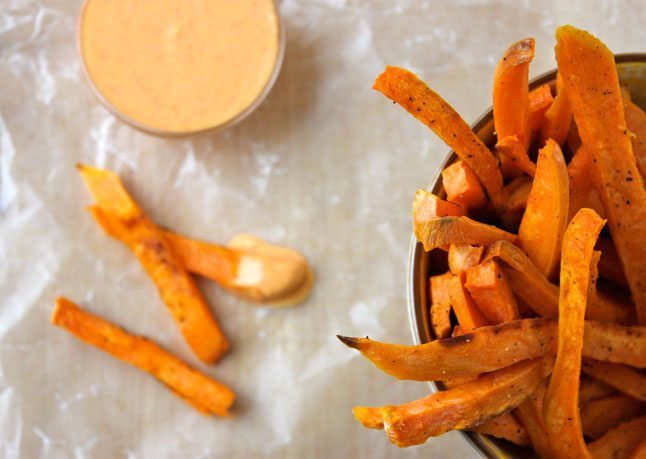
[325, 165]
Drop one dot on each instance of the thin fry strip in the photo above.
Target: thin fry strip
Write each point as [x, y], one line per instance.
[540, 99]
[494, 347]
[530, 414]
[590, 75]
[200, 391]
[440, 305]
[443, 231]
[406, 89]
[600, 415]
[546, 216]
[148, 243]
[463, 407]
[561, 410]
[619, 442]
[467, 312]
[557, 119]
[504, 426]
[636, 122]
[515, 153]
[621, 377]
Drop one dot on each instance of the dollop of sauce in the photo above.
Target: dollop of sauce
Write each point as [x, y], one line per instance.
[179, 66]
[269, 274]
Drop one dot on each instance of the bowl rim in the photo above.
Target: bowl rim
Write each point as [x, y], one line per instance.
[142, 127]
[417, 263]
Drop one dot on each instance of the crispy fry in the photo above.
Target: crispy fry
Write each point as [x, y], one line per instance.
[200, 391]
[636, 122]
[558, 117]
[619, 442]
[504, 426]
[561, 409]
[175, 285]
[511, 95]
[589, 72]
[592, 389]
[427, 206]
[442, 231]
[491, 348]
[467, 312]
[600, 415]
[440, 305]
[621, 377]
[418, 99]
[462, 186]
[465, 406]
[540, 99]
[542, 227]
[492, 293]
[464, 256]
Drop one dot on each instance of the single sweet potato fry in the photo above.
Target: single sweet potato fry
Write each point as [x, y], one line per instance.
[513, 154]
[463, 407]
[561, 410]
[427, 206]
[491, 348]
[600, 415]
[200, 391]
[440, 305]
[465, 309]
[558, 117]
[462, 186]
[148, 243]
[619, 442]
[621, 377]
[592, 389]
[542, 227]
[540, 99]
[590, 75]
[504, 426]
[530, 414]
[406, 89]
[443, 231]
[464, 256]
[489, 288]
[636, 122]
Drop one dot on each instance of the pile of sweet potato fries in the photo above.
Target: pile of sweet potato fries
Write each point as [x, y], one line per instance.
[540, 319]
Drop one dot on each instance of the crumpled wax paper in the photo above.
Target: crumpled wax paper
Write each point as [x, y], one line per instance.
[325, 165]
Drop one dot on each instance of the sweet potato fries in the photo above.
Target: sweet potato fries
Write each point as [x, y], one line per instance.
[524, 311]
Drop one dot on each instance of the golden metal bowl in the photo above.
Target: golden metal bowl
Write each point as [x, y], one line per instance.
[422, 265]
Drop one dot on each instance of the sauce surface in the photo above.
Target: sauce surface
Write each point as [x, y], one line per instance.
[180, 65]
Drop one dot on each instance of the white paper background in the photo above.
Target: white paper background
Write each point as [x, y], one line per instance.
[325, 165]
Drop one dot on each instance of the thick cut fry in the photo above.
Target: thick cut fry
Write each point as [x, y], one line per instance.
[505, 426]
[590, 75]
[619, 442]
[462, 186]
[592, 389]
[511, 97]
[467, 312]
[636, 122]
[557, 120]
[537, 292]
[514, 151]
[582, 192]
[542, 227]
[464, 256]
[200, 391]
[561, 410]
[175, 285]
[427, 206]
[540, 99]
[457, 230]
[621, 377]
[494, 347]
[492, 293]
[440, 305]
[418, 99]
[463, 407]
[600, 415]
[609, 265]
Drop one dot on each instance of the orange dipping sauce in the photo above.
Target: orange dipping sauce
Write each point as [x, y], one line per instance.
[180, 66]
